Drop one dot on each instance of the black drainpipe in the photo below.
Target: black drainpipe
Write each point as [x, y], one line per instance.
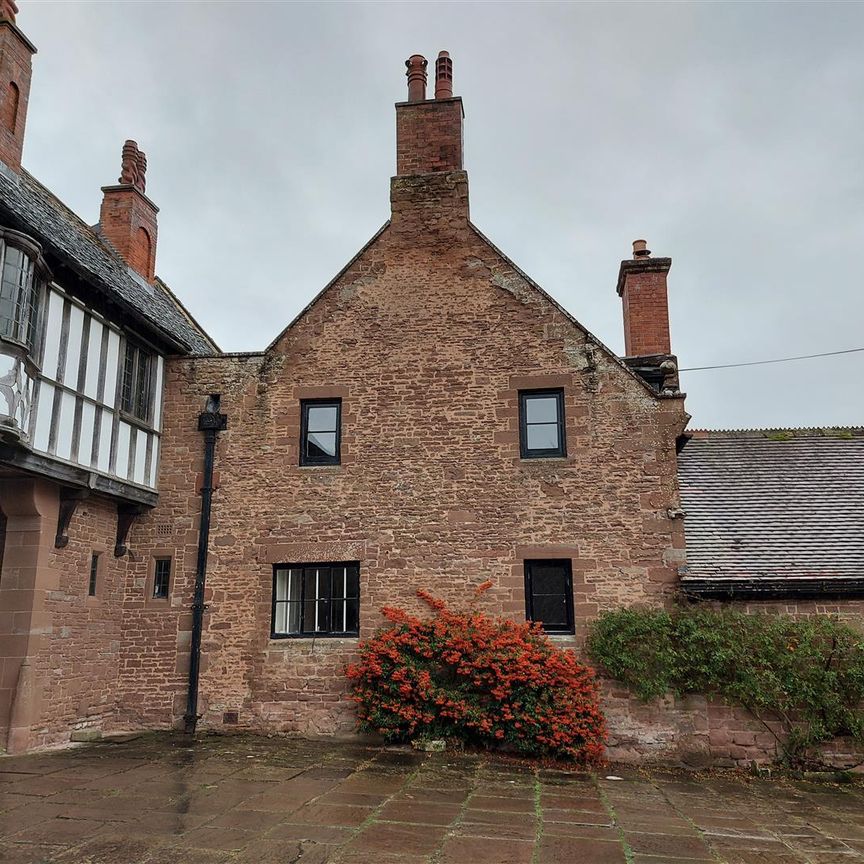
[211, 423]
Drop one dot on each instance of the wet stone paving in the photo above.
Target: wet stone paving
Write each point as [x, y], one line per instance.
[158, 799]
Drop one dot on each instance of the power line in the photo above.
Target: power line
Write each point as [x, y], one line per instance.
[779, 360]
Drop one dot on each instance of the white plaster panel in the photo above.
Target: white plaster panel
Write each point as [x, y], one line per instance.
[64, 426]
[43, 416]
[157, 394]
[140, 457]
[121, 466]
[53, 325]
[103, 460]
[154, 462]
[73, 347]
[94, 351]
[85, 439]
[111, 368]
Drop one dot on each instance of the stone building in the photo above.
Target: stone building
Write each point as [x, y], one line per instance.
[431, 419]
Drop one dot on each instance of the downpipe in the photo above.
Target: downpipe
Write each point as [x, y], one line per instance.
[210, 423]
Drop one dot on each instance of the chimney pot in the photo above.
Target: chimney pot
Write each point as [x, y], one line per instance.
[640, 249]
[8, 10]
[416, 75]
[443, 76]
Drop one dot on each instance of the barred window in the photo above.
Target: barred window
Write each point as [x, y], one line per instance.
[316, 599]
[18, 295]
[161, 577]
[135, 386]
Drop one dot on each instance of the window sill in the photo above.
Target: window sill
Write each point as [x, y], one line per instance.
[320, 467]
[287, 641]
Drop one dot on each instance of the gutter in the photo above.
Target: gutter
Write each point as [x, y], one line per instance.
[211, 423]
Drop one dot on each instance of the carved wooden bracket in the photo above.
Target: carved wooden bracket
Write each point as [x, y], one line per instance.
[69, 498]
[126, 515]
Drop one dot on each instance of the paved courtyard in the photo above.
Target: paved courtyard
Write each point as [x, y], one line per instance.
[274, 801]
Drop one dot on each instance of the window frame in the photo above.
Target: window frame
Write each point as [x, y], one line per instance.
[130, 410]
[156, 562]
[93, 581]
[305, 405]
[28, 297]
[566, 564]
[547, 453]
[312, 634]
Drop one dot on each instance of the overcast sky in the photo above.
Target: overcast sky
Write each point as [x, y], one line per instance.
[730, 136]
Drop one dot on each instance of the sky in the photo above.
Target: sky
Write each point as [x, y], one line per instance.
[729, 135]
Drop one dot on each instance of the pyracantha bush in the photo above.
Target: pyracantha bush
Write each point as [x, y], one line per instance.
[484, 680]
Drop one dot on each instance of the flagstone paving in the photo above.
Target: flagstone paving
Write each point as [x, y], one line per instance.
[159, 799]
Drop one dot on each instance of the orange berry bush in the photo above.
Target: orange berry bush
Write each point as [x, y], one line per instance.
[484, 680]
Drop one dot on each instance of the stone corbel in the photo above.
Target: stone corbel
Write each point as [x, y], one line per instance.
[69, 498]
[126, 515]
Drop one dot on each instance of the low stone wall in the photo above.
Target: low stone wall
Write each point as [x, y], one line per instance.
[697, 732]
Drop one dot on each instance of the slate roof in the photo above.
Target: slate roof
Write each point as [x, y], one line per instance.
[77, 245]
[774, 503]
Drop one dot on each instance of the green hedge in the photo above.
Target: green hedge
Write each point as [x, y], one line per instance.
[805, 674]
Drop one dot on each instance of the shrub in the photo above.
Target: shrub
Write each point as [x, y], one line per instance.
[802, 678]
[486, 681]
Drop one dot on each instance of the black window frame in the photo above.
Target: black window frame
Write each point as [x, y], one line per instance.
[546, 453]
[161, 582]
[305, 405]
[567, 567]
[313, 634]
[136, 399]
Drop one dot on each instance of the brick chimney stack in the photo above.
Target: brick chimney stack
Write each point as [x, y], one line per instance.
[429, 194]
[16, 70]
[642, 289]
[127, 219]
[429, 131]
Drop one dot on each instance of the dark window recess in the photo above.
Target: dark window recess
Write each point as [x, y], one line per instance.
[94, 572]
[161, 577]
[541, 424]
[320, 431]
[135, 387]
[316, 600]
[549, 595]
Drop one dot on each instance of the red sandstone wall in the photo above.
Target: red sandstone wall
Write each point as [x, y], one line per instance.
[427, 343]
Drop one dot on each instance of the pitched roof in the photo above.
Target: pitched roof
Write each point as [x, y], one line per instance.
[77, 245]
[774, 503]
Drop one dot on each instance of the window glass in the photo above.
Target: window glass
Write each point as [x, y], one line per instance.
[161, 577]
[541, 424]
[315, 599]
[17, 296]
[320, 432]
[541, 409]
[94, 572]
[135, 382]
[549, 594]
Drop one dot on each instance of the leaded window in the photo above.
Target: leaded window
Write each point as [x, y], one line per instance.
[135, 387]
[316, 599]
[19, 291]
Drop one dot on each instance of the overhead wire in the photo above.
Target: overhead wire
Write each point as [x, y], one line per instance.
[765, 362]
